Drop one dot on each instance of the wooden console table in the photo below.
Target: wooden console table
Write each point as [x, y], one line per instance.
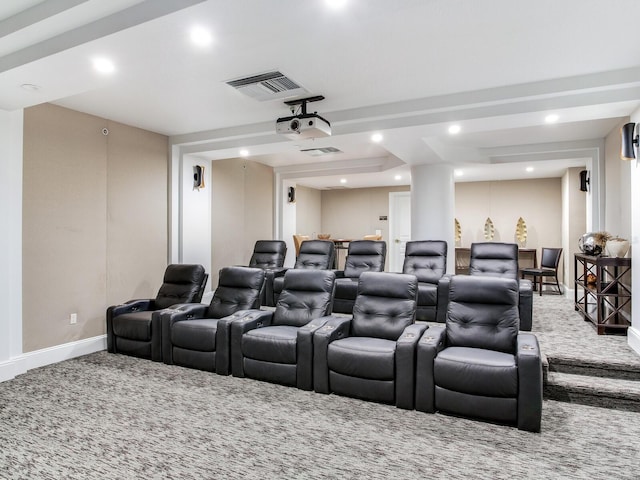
[605, 299]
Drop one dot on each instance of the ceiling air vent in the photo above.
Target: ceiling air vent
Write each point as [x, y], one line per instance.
[268, 86]
[318, 152]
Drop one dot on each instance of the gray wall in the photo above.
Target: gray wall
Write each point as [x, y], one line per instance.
[94, 221]
[241, 211]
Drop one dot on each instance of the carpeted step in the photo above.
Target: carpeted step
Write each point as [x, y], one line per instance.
[593, 390]
[594, 368]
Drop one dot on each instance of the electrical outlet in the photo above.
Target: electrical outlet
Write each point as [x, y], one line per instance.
[73, 319]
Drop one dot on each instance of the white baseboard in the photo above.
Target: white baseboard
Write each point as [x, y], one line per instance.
[39, 358]
[633, 339]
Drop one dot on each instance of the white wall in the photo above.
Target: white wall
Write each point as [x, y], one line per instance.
[633, 334]
[11, 127]
[289, 223]
[574, 209]
[196, 216]
[618, 186]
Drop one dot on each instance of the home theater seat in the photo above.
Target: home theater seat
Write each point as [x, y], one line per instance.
[134, 328]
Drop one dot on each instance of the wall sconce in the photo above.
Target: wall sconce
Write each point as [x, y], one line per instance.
[584, 181]
[291, 194]
[198, 177]
[629, 149]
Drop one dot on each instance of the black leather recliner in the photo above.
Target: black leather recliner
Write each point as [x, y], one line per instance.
[478, 364]
[278, 346]
[197, 336]
[427, 260]
[362, 256]
[268, 255]
[134, 328]
[372, 355]
[501, 259]
[497, 259]
[314, 255]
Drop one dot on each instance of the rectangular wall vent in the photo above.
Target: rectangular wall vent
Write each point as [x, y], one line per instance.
[318, 152]
[268, 86]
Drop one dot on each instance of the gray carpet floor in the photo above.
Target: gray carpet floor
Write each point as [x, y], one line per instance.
[111, 416]
[564, 335]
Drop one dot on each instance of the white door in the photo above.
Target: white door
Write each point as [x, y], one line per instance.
[399, 228]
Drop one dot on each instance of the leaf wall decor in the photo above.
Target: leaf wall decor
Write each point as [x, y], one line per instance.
[521, 231]
[489, 230]
[457, 231]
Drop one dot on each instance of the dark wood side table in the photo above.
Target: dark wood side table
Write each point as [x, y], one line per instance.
[603, 291]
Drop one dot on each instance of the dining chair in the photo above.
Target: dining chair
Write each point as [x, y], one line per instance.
[297, 241]
[548, 268]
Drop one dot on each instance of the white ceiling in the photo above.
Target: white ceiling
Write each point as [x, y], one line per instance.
[405, 68]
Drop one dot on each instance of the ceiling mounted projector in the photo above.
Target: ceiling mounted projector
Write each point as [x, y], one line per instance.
[303, 124]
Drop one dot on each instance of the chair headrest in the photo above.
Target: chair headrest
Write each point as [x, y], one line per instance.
[270, 246]
[494, 250]
[429, 248]
[184, 273]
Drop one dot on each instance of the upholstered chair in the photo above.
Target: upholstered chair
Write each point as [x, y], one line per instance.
[277, 346]
[297, 241]
[197, 336]
[548, 268]
[362, 256]
[268, 255]
[497, 259]
[372, 355]
[478, 364]
[134, 328]
[314, 255]
[427, 260]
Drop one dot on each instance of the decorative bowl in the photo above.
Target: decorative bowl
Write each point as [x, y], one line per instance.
[324, 236]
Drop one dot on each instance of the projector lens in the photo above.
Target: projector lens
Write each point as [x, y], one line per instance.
[295, 125]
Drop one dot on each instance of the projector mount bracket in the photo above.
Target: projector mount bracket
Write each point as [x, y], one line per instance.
[302, 102]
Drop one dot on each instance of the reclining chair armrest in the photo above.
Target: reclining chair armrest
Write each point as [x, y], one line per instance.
[529, 364]
[128, 307]
[339, 273]
[223, 341]
[141, 305]
[525, 304]
[406, 365]
[171, 315]
[304, 370]
[432, 342]
[269, 275]
[443, 298]
[333, 329]
[250, 320]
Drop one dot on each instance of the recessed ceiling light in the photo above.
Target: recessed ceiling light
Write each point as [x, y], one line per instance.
[529, 169]
[376, 137]
[201, 36]
[398, 177]
[335, 4]
[103, 65]
[552, 118]
[458, 173]
[343, 180]
[244, 152]
[453, 129]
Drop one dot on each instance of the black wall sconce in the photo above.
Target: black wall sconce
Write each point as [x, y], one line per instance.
[584, 181]
[291, 194]
[198, 177]
[629, 133]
